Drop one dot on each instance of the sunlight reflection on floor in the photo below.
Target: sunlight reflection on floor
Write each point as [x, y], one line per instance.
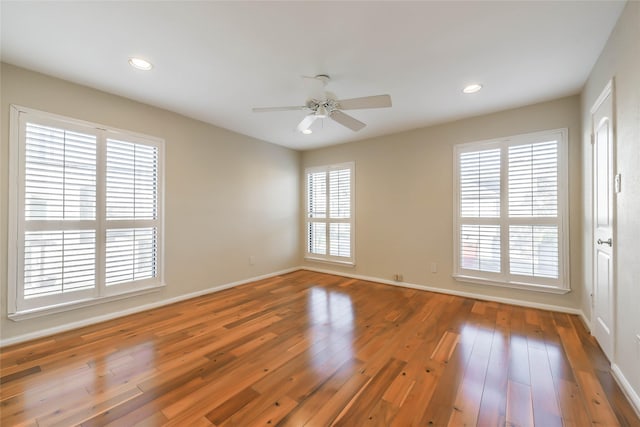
[331, 316]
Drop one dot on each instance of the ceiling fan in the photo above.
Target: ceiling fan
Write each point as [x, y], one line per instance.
[326, 105]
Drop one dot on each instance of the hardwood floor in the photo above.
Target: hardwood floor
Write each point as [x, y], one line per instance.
[315, 349]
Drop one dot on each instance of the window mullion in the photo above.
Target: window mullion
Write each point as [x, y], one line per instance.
[339, 220]
[535, 220]
[58, 225]
[113, 224]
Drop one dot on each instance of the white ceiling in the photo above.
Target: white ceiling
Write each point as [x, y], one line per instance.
[214, 61]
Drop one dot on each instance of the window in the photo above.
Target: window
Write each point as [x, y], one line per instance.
[329, 213]
[511, 212]
[85, 212]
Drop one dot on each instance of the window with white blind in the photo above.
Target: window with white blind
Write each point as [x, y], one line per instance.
[511, 212]
[85, 212]
[329, 213]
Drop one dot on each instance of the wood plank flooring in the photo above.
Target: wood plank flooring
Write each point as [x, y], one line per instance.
[311, 349]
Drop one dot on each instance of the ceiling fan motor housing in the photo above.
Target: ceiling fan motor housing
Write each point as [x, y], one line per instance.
[322, 109]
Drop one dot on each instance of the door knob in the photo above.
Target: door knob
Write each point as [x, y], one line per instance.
[605, 242]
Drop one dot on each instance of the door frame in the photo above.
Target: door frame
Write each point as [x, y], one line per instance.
[609, 89]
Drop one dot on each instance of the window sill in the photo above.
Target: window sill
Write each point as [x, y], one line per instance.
[512, 285]
[350, 264]
[60, 308]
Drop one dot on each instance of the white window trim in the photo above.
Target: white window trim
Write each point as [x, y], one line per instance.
[342, 261]
[68, 306]
[16, 220]
[505, 279]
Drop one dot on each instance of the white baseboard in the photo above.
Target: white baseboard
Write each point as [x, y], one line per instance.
[97, 319]
[587, 322]
[511, 301]
[626, 387]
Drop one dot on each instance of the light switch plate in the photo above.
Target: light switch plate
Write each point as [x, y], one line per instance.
[617, 183]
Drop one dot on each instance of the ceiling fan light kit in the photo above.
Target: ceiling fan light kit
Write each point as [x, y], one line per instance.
[329, 106]
[321, 111]
[140, 64]
[472, 88]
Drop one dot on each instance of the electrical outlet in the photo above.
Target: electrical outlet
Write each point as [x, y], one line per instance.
[397, 277]
[638, 345]
[434, 267]
[252, 260]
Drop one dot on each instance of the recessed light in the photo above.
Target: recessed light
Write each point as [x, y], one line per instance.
[140, 63]
[473, 88]
[307, 131]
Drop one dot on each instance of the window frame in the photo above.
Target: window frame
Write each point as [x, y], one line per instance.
[18, 308]
[504, 278]
[351, 261]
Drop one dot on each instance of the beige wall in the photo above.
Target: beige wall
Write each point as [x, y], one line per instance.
[404, 205]
[227, 196]
[619, 60]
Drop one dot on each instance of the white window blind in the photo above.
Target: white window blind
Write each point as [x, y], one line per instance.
[85, 214]
[58, 262]
[340, 239]
[533, 180]
[534, 250]
[317, 194]
[131, 255]
[132, 197]
[480, 184]
[511, 211]
[132, 180]
[330, 213]
[480, 247]
[340, 190]
[317, 238]
[60, 174]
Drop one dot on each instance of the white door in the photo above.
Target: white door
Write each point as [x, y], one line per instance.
[603, 221]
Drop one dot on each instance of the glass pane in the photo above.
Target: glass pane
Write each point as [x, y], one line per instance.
[60, 174]
[317, 238]
[132, 180]
[340, 193]
[317, 194]
[340, 239]
[533, 250]
[57, 262]
[131, 255]
[480, 247]
[480, 184]
[533, 180]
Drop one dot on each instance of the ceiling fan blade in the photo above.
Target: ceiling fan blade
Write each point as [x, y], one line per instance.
[376, 101]
[347, 121]
[269, 109]
[306, 122]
